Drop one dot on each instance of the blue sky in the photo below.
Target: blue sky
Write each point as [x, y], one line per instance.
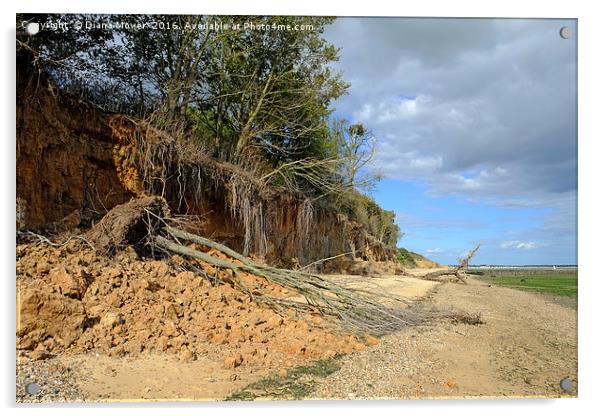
[476, 127]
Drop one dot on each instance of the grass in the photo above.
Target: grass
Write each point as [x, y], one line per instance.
[298, 382]
[405, 257]
[411, 259]
[556, 283]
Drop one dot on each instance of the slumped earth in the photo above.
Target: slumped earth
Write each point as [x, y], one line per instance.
[144, 331]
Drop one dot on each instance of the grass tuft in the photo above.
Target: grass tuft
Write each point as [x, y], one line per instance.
[299, 382]
[556, 283]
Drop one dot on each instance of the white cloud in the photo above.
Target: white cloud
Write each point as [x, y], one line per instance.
[436, 250]
[484, 109]
[426, 162]
[464, 95]
[519, 245]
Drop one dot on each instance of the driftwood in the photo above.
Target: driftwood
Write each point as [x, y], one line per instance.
[458, 272]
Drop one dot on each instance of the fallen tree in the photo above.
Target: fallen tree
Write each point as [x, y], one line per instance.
[145, 224]
[458, 273]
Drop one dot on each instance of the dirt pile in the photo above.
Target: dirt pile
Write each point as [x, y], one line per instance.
[72, 300]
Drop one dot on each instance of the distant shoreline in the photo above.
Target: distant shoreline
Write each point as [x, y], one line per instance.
[536, 266]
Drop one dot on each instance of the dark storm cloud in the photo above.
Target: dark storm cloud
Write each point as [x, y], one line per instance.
[480, 107]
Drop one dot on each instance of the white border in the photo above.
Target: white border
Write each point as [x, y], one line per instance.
[589, 206]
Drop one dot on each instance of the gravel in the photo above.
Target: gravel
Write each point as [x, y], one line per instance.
[46, 381]
[525, 347]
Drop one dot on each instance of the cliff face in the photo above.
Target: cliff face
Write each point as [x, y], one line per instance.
[65, 173]
[75, 162]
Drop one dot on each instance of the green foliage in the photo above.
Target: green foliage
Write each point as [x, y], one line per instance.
[260, 99]
[354, 147]
[296, 384]
[406, 257]
[559, 283]
[379, 222]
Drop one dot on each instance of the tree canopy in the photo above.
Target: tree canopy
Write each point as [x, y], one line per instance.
[258, 94]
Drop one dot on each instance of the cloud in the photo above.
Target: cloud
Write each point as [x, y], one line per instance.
[482, 109]
[433, 250]
[478, 107]
[519, 245]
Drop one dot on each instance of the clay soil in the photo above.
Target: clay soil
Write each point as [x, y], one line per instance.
[133, 329]
[126, 328]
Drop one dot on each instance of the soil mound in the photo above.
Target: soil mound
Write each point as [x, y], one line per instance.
[71, 299]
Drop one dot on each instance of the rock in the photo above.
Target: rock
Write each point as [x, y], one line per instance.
[170, 311]
[233, 361]
[39, 353]
[179, 341]
[133, 346]
[185, 276]
[178, 260]
[42, 314]
[159, 269]
[131, 306]
[69, 284]
[95, 311]
[186, 355]
[371, 341]
[143, 284]
[43, 267]
[282, 373]
[219, 338]
[118, 350]
[274, 322]
[248, 354]
[162, 343]
[112, 273]
[111, 319]
[329, 354]
[236, 335]
[170, 329]
[451, 384]
[295, 346]
[113, 299]
[50, 344]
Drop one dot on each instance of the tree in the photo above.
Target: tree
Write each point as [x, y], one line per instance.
[356, 147]
[258, 97]
[272, 89]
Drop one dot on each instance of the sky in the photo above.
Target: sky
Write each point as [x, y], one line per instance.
[475, 121]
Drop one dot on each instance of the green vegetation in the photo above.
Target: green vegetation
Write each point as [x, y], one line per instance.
[363, 209]
[258, 100]
[406, 257]
[296, 384]
[552, 282]
[410, 259]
